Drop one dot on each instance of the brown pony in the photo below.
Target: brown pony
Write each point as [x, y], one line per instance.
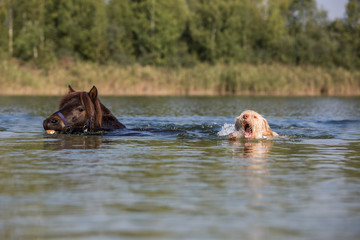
[81, 112]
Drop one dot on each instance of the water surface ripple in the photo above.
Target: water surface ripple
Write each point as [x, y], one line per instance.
[173, 174]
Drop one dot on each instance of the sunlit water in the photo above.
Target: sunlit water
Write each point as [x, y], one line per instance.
[181, 178]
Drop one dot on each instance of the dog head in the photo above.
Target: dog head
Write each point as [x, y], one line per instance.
[251, 124]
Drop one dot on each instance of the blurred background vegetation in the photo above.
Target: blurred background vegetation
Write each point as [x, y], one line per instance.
[286, 44]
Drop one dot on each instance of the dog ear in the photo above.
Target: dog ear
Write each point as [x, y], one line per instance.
[93, 93]
[238, 124]
[70, 89]
[266, 128]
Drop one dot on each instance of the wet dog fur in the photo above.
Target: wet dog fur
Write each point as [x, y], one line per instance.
[251, 125]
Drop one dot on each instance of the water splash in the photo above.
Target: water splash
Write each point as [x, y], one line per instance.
[226, 129]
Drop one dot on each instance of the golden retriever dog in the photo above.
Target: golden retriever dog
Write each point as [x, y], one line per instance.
[251, 125]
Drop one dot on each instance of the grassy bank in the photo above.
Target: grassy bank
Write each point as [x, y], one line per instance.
[239, 79]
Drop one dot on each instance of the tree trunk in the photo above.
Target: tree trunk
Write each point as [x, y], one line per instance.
[152, 20]
[10, 32]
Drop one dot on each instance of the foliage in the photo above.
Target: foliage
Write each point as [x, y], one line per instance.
[179, 32]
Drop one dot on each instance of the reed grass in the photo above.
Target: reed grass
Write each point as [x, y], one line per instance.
[203, 79]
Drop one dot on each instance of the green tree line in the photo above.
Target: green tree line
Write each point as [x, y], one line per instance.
[179, 32]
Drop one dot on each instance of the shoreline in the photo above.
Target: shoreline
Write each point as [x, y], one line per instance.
[201, 80]
[35, 93]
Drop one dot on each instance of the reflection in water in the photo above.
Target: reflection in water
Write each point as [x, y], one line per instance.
[58, 142]
[257, 149]
[254, 153]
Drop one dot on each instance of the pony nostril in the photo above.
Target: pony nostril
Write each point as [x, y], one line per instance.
[54, 121]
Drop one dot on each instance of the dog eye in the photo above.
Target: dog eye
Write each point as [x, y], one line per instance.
[80, 109]
[255, 116]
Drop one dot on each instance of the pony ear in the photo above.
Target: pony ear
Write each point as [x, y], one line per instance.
[93, 93]
[71, 89]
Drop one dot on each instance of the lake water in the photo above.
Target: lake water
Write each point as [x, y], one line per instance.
[182, 179]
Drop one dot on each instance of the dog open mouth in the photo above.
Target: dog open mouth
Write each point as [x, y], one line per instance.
[248, 132]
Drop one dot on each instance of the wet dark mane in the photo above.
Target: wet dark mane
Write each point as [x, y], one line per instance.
[93, 109]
